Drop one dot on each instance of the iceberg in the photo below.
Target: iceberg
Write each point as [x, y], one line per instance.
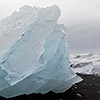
[33, 53]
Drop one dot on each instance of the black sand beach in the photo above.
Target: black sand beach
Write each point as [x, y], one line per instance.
[88, 89]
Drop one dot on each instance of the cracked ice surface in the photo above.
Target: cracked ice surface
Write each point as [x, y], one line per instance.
[37, 62]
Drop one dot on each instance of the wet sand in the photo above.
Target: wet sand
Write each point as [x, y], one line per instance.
[88, 89]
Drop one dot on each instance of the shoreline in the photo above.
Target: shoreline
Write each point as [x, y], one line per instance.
[88, 89]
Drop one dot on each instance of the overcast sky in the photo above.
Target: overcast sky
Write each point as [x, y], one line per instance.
[79, 16]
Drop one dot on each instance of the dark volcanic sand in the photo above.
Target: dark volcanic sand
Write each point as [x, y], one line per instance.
[88, 89]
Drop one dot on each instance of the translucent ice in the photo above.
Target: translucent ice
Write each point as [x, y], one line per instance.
[38, 61]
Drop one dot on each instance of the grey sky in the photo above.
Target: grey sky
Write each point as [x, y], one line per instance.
[79, 16]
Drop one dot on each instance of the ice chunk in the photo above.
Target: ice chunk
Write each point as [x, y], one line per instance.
[88, 63]
[83, 68]
[38, 61]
